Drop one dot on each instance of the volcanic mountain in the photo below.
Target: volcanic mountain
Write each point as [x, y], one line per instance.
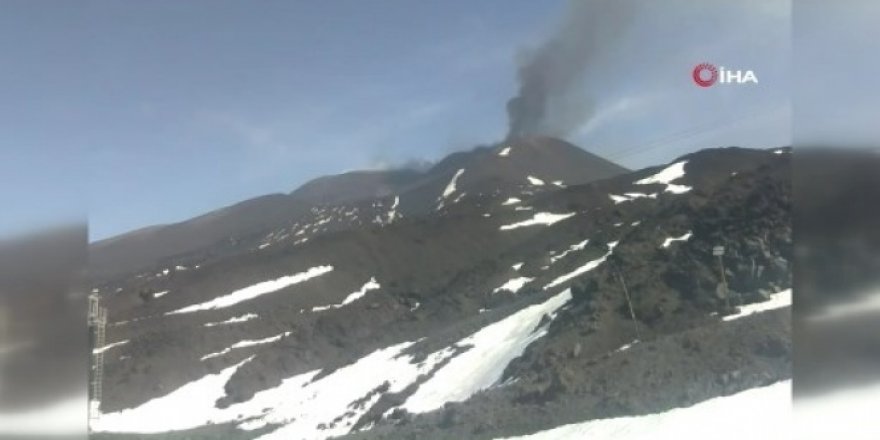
[501, 168]
[505, 291]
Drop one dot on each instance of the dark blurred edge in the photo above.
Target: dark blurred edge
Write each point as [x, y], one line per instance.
[44, 349]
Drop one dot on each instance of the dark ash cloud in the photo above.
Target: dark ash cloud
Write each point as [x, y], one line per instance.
[554, 95]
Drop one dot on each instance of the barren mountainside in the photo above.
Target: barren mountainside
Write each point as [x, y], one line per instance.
[506, 291]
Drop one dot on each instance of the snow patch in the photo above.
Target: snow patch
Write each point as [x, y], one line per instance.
[482, 365]
[626, 347]
[573, 248]
[369, 285]
[540, 218]
[777, 301]
[187, 407]
[255, 290]
[109, 346]
[450, 188]
[535, 181]
[671, 240]
[233, 320]
[246, 343]
[305, 407]
[630, 196]
[511, 201]
[392, 213]
[160, 294]
[513, 285]
[666, 176]
[590, 265]
[505, 152]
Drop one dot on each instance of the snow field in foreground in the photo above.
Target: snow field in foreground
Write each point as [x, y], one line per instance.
[758, 413]
[309, 408]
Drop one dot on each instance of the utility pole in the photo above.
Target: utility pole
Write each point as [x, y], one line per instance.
[718, 251]
[632, 312]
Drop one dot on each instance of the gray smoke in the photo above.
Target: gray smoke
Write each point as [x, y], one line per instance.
[555, 89]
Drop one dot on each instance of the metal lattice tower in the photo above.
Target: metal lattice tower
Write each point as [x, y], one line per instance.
[97, 325]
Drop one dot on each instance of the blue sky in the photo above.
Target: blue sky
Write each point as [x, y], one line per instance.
[138, 113]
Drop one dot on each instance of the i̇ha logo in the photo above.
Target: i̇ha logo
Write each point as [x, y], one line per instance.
[707, 75]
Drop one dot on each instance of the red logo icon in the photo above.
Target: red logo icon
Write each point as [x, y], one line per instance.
[705, 74]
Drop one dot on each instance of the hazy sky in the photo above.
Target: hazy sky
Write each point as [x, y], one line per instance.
[137, 113]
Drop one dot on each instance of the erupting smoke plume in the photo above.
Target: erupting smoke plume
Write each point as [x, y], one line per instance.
[554, 87]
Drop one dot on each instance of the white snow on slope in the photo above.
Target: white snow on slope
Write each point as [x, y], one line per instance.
[352, 297]
[627, 346]
[635, 195]
[677, 189]
[306, 408]
[300, 403]
[514, 285]
[618, 199]
[392, 213]
[630, 196]
[757, 413]
[511, 201]
[187, 407]
[777, 301]
[255, 290]
[234, 320]
[160, 294]
[517, 266]
[535, 181]
[303, 407]
[492, 349]
[540, 218]
[246, 343]
[505, 152]
[590, 265]
[671, 240]
[573, 248]
[666, 176]
[450, 188]
[109, 346]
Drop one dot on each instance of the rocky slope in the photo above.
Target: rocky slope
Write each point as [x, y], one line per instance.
[498, 300]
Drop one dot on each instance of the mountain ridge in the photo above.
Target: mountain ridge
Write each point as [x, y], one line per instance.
[419, 193]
